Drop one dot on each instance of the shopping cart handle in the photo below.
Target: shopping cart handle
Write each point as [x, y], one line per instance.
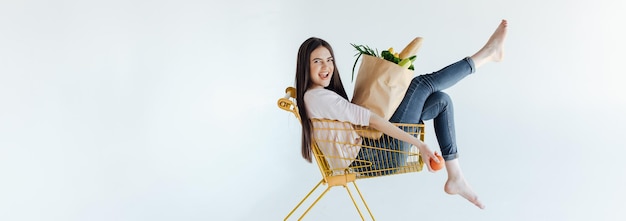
[290, 92]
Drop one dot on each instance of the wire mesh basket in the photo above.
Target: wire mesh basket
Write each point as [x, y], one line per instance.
[342, 148]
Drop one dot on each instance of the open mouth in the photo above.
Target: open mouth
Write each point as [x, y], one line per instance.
[324, 75]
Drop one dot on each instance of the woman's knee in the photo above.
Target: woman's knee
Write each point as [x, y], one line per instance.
[441, 97]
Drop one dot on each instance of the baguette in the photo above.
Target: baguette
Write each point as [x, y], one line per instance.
[412, 48]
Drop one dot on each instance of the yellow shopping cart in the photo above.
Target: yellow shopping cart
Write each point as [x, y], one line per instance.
[345, 153]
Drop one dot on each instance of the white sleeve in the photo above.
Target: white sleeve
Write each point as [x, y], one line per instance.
[326, 104]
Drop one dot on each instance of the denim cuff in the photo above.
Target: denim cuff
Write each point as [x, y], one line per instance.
[450, 156]
[471, 64]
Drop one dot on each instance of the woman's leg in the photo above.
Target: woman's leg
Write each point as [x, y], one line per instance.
[439, 107]
[410, 109]
[491, 52]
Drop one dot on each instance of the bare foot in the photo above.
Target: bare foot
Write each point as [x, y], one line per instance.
[494, 48]
[460, 187]
[456, 184]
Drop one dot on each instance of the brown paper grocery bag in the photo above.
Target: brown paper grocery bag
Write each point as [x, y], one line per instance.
[380, 87]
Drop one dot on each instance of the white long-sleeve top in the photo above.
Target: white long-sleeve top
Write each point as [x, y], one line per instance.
[341, 145]
[326, 104]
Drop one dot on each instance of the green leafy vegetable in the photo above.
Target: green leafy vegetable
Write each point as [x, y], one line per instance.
[387, 55]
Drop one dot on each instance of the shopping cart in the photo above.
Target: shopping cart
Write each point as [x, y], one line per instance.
[345, 153]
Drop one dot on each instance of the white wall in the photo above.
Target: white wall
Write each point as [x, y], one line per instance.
[166, 110]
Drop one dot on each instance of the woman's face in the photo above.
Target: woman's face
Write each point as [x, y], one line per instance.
[321, 67]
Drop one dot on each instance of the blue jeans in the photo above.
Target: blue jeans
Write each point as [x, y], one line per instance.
[424, 101]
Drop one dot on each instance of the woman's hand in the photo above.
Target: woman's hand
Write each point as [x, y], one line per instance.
[427, 155]
[383, 125]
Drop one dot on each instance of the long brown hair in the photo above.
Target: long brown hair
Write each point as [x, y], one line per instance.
[303, 82]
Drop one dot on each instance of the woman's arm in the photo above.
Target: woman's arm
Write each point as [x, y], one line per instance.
[388, 128]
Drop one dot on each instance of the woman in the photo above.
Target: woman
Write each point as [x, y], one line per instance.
[320, 94]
